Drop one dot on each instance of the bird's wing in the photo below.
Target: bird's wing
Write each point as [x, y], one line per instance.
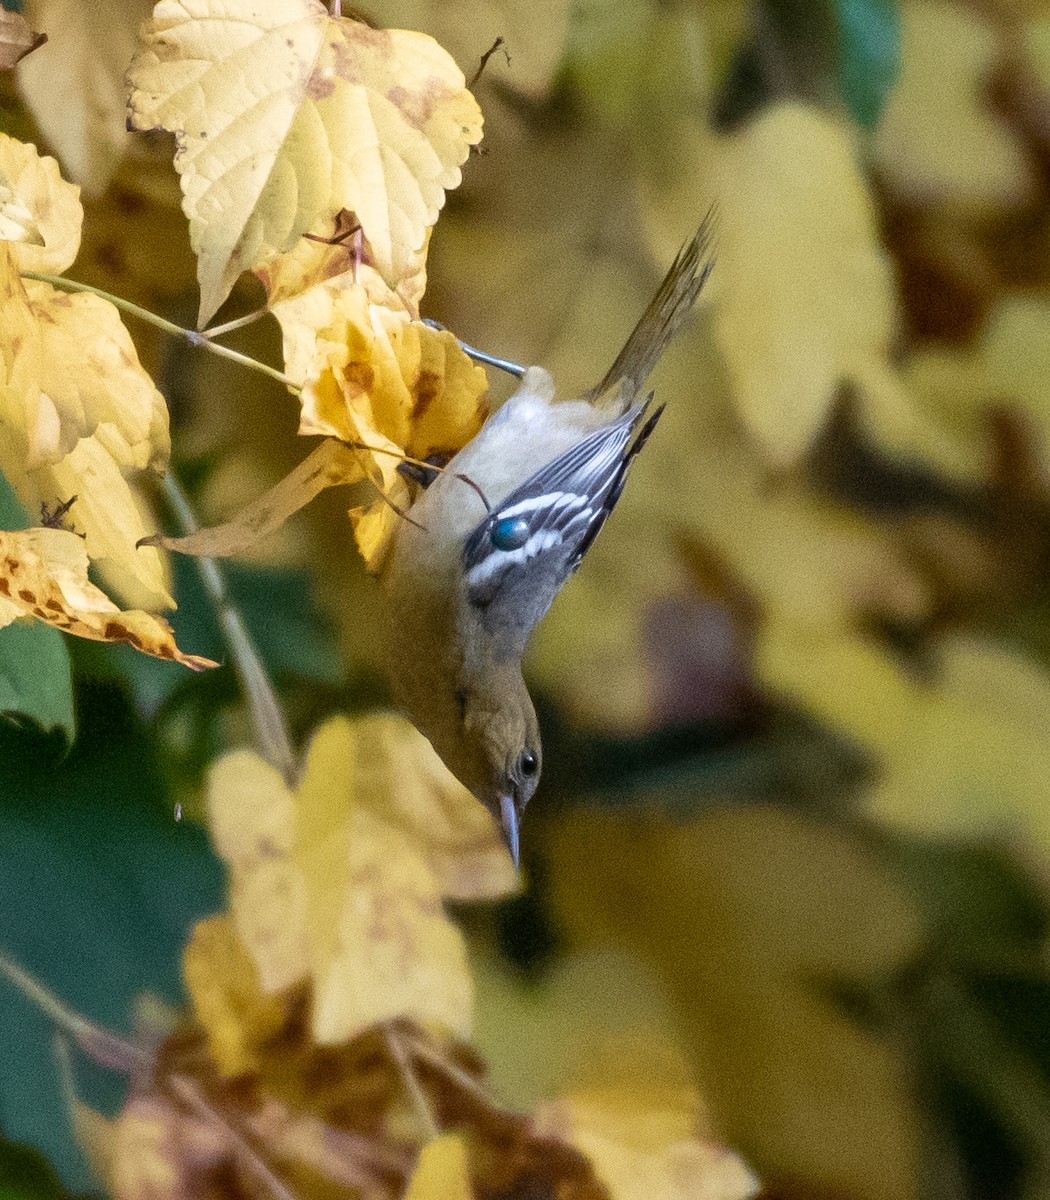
[518, 557]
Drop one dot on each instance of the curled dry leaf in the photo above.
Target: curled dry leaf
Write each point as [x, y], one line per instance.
[376, 122]
[378, 379]
[44, 574]
[40, 213]
[330, 465]
[17, 38]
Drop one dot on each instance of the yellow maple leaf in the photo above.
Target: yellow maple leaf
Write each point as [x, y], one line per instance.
[377, 378]
[806, 300]
[17, 38]
[396, 773]
[44, 574]
[40, 213]
[342, 881]
[229, 1003]
[441, 1173]
[376, 122]
[380, 943]
[251, 814]
[78, 412]
[74, 86]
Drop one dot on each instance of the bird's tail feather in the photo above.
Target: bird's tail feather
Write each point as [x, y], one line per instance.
[665, 312]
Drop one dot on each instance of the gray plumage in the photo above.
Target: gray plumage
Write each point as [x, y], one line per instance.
[479, 563]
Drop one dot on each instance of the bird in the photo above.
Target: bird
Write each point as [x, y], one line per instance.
[493, 535]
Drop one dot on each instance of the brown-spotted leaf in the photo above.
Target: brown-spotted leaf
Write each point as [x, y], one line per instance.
[17, 38]
[286, 116]
[44, 574]
[40, 214]
[378, 379]
[79, 416]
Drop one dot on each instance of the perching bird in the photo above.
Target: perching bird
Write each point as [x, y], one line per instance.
[494, 536]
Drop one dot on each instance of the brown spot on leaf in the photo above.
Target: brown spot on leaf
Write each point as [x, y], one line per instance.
[53, 604]
[358, 378]
[26, 595]
[5, 587]
[425, 390]
[417, 106]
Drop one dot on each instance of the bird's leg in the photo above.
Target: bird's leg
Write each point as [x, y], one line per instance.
[501, 364]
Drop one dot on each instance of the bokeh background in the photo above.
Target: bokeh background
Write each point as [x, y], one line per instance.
[793, 836]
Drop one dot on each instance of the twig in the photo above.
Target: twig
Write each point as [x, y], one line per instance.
[215, 331]
[454, 1074]
[101, 1046]
[193, 336]
[191, 1095]
[496, 45]
[271, 733]
[408, 1077]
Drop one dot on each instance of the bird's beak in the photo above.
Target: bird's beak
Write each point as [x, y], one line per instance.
[509, 826]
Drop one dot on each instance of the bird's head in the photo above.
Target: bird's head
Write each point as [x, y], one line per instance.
[499, 756]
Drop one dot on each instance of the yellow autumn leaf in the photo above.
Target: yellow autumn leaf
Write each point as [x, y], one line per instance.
[534, 36]
[399, 777]
[40, 214]
[44, 574]
[319, 269]
[806, 300]
[740, 911]
[74, 86]
[380, 943]
[17, 38]
[960, 751]
[79, 417]
[229, 1003]
[376, 122]
[251, 814]
[645, 1144]
[441, 1173]
[939, 139]
[376, 378]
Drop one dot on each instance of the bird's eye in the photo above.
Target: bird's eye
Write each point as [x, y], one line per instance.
[510, 533]
[528, 764]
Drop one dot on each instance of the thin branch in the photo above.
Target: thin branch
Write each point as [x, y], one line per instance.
[453, 1074]
[271, 733]
[412, 1086]
[193, 1097]
[101, 1046]
[193, 336]
[215, 331]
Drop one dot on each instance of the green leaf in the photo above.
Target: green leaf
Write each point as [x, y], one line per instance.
[36, 683]
[35, 678]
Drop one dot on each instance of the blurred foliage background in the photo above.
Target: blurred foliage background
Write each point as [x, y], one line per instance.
[794, 830]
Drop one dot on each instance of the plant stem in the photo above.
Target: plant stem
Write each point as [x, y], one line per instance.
[412, 1086]
[192, 336]
[271, 733]
[103, 1047]
[214, 331]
